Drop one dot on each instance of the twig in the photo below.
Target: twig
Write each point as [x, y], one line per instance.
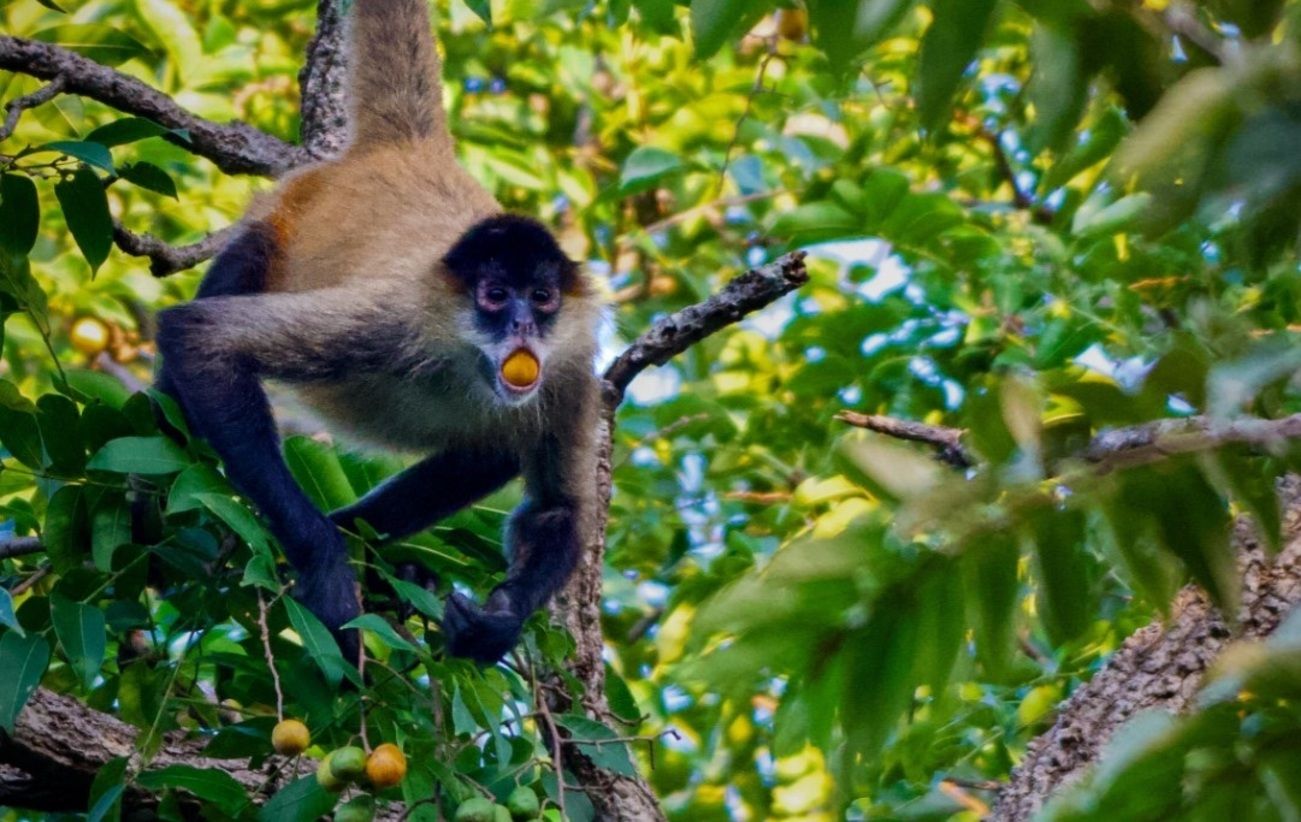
[947, 441]
[164, 258]
[1154, 441]
[14, 108]
[271, 660]
[20, 546]
[236, 148]
[552, 732]
[31, 580]
[749, 105]
[680, 330]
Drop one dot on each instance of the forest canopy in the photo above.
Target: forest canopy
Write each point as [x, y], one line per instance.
[1017, 360]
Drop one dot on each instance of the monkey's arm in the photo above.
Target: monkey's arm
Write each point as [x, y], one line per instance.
[433, 488]
[544, 536]
[215, 352]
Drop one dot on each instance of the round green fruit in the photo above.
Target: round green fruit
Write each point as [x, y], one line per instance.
[500, 813]
[477, 809]
[523, 804]
[348, 764]
[325, 776]
[358, 809]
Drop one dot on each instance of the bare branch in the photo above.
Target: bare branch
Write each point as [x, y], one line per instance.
[14, 108]
[680, 330]
[236, 148]
[946, 441]
[1153, 441]
[20, 546]
[323, 84]
[164, 258]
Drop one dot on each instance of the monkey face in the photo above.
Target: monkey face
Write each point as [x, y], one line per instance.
[515, 277]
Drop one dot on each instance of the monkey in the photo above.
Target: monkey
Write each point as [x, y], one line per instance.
[389, 290]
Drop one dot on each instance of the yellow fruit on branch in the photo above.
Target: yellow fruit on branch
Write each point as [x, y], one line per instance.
[290, 737]
[386, 766]
[89, 335]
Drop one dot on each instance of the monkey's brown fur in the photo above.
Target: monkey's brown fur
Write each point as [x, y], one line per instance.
[349, 301]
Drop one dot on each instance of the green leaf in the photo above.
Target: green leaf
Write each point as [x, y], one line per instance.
[199, 479]
[422, 600]
[318, 643]
[880, 676]
[483, 8]
[20, 214]
[844, 29]
[98, 385]
[646, 166]
[893, 470]
[713, 21]
[103, 44]
[241, 520]
[1128, 535]
[599, 743]
[622, 703]
[302, 800]
[19, 432]
[65, 532]
[1065, 598]
[85, 207]
[658, 14]
[106, 791]
[989, 575]
[7, 617]
[149, 176]
[60, 426]
[378, 626]
[22, 663]
[817, 222]
[110, 529]
[171, 28]
[52, 6]
[94, 154]
[952, 40]
[80, 629]
[140, 455]
[1058, 86]
[317, 469]
[208, 784]
[126, 130]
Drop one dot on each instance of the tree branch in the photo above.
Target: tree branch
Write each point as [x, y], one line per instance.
[322, 82]
[236, 148]
[680, 330]
[14, 108]
[20, 546]
[1160, 666]
[164, 258]
[578, 607]
[946, 440]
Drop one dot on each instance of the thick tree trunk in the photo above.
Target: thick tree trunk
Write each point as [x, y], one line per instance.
[1160, 666]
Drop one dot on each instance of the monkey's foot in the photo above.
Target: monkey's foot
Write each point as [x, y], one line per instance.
[474, 633]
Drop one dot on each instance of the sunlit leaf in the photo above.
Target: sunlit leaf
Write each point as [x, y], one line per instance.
[85, 207]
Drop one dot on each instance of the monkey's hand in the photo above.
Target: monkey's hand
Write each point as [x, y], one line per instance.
[329, 591]
[482, 634]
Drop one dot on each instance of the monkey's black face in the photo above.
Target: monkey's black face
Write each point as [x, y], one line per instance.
[516, 276]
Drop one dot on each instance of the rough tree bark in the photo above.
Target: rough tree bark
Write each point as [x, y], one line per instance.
[1161, 666]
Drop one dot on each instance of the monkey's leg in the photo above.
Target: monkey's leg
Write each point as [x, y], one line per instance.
[544, 543]
[433, 488]
[215, 351]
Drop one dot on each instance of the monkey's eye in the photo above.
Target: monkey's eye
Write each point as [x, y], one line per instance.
[541, 296]
[494, 295]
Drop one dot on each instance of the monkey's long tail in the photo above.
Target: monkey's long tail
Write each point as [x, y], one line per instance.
[396, 91]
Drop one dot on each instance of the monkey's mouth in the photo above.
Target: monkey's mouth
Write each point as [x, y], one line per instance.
[520, 372]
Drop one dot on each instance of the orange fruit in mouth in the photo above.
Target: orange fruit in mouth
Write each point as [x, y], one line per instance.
[521, 369]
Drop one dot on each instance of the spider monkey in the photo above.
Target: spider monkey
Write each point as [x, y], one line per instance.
[394, 295]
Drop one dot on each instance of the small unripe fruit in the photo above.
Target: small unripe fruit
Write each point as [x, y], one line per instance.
[477, 809]
[290, 737]
[325, 776]
[386, 766]
[523, 804]
[358, 809]
[89, 335]
[521, 369]
[348, 764]
[500, 814]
